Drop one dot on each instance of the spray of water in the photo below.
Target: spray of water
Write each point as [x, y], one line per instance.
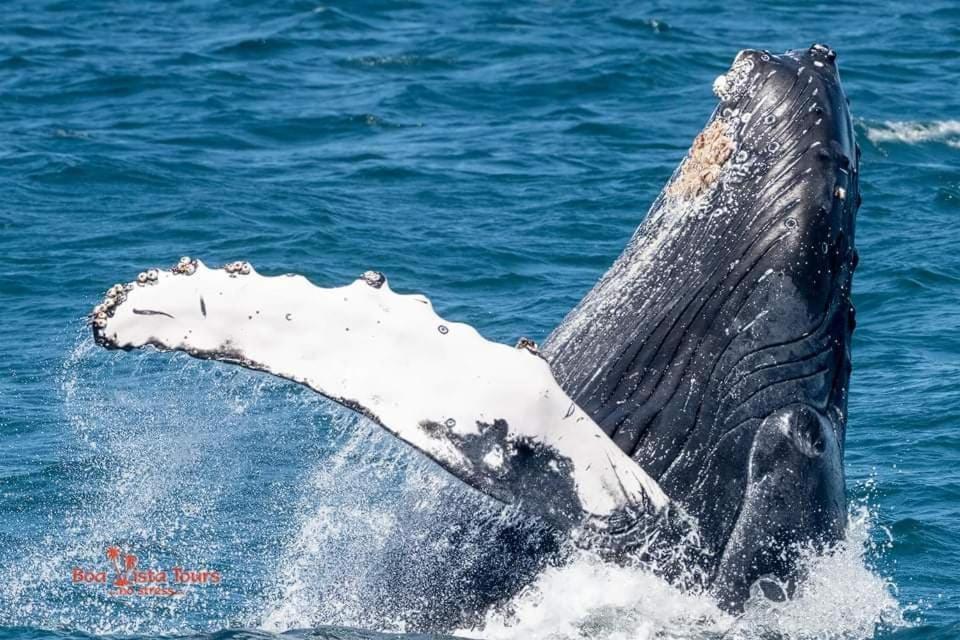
[156, 454]
[386, 540]
[316, 517]
[843, 597]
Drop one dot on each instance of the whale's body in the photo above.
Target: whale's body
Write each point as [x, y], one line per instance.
[716, 350]
[702, 380]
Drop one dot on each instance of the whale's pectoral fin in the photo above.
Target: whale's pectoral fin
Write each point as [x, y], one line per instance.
[490, 414]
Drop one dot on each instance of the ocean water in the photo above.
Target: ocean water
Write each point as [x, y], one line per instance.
[493, 155]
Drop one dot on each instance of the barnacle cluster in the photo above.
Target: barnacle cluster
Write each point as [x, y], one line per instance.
[528, 345]
[150, 276]
[185, 266]
[238, 268]
[701, 168]
[117, 294]
[112, 299]
[373, 278]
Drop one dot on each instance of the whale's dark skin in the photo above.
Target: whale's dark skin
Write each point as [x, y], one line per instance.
[716, 350]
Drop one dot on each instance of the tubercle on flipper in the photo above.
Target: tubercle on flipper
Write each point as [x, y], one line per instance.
[186, 266]
[114, 296]
[117, 295]
[375, 279]
[238, 268]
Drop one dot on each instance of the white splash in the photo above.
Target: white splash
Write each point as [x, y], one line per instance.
[141, 463]
[321, 575]
[588, 598]
[843, 598]
[941, 131]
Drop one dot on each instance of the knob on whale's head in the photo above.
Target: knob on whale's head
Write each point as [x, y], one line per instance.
[790, 155]
[782, 131]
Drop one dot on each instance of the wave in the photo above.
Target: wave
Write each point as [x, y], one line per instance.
[910, 132]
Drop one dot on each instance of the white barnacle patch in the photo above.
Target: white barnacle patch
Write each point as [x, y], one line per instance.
[784, 425]
[494, 458]
[374, 278]
[186, 266]
[720, 86]
[707, 156]
[430, 382]
[733, 84]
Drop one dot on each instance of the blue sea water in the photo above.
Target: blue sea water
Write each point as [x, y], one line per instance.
[493, 155]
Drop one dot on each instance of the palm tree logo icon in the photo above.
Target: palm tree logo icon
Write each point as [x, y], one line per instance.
[123, 565]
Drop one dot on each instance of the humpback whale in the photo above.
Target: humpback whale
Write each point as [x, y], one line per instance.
[716, 349]
[703, 380]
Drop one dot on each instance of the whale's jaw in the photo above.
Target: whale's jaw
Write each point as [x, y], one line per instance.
[716, 350]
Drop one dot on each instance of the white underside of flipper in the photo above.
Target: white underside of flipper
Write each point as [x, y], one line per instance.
[491, 414]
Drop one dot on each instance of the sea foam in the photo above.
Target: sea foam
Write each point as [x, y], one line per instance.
[909, 132]
[843, 597]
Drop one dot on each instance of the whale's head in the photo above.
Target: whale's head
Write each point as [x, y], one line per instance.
[716, 350]
[781, 130]
[796, 150]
